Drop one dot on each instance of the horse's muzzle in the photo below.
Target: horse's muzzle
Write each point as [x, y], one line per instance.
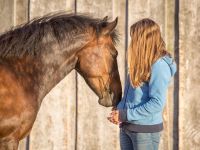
[107, 99]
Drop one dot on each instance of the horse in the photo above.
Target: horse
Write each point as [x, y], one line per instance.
[37, 55]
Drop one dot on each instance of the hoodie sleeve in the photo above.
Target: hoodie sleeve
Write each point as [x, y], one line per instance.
[158, 84]
[121, 104]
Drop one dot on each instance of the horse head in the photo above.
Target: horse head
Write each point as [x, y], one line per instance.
[97, 63]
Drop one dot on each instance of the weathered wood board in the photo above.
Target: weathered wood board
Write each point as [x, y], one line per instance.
[189, 79]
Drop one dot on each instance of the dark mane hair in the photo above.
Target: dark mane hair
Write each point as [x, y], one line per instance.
[26, 39]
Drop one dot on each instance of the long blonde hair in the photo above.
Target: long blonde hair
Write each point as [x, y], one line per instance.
[146, 47]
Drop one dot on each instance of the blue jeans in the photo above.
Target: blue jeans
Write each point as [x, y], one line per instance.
[139, 141]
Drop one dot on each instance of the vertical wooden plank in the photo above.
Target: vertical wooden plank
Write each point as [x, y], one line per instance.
[40, 8]
[6, 14]
[171, 135]
[55, 124]
[189, 104]
[94, 131]
[20, 11]
[163, 12]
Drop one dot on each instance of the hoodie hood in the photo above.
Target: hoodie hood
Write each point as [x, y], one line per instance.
[171, 63]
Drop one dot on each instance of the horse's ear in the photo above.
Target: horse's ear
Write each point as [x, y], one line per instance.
[108, 27]
[105, 18]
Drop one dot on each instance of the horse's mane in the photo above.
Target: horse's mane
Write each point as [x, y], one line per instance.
[26, 39]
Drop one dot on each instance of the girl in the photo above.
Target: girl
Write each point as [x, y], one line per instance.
[150, 68]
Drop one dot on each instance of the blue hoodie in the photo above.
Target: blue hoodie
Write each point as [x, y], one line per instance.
[141, 108]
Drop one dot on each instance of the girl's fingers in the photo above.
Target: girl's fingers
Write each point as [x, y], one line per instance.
[113, 117]
[113, 120]
[114, 112]
[110, 119]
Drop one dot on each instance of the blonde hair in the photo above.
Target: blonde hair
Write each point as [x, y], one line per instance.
[146, 47]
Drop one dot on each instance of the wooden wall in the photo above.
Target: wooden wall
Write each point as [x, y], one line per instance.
[70, 116]
[189, 79]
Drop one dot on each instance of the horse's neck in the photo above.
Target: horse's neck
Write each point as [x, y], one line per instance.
[38, 75]
[57, 61]
[52, 75]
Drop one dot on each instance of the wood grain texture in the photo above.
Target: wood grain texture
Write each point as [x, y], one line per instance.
[54, 128]
[189, 104]
[6, 14]
[20, 11]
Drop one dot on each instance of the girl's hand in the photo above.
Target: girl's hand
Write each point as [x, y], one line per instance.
[114, 116]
